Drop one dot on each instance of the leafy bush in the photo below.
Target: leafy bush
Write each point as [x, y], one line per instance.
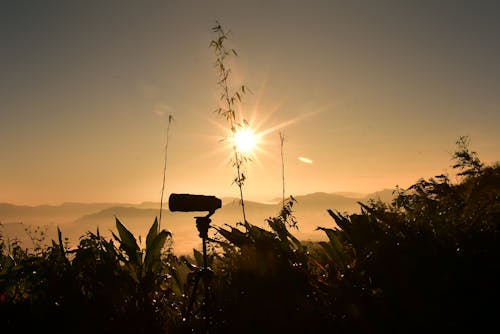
[98, 287]
[428, 261]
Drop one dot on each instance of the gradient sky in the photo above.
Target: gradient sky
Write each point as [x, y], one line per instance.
[369, 95]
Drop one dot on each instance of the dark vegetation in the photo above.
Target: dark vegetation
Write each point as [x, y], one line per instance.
[427, 262]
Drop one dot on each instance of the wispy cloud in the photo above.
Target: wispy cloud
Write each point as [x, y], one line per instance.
[305, 160]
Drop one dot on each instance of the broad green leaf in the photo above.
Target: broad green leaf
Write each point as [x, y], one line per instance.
[153, 252]
[198, 256]
[153, 232]
[334, 247]
[235, 236]
[59, 237]
[128, 243]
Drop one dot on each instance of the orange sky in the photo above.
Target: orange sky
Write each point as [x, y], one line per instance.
[368, 96]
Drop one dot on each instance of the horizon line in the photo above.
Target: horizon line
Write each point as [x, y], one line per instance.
[275, 200]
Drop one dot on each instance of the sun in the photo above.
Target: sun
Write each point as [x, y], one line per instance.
[245, 140]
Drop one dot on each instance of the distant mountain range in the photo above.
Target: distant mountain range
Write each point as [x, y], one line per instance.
[75, 219]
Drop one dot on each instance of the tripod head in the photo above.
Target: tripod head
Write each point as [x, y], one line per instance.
[203, 224]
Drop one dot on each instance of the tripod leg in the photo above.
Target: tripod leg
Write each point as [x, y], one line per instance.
[206, 289]
[203, 224]
[193, 293]
[197, 280]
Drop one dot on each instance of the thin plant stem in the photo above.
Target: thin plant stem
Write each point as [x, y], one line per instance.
[282, 139]
[240, 183]
[170, 119]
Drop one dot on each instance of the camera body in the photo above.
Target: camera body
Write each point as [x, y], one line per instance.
[190, 202]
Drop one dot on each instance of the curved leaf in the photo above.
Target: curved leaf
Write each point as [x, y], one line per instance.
[153, 251]
[153, 232]
[128, 243]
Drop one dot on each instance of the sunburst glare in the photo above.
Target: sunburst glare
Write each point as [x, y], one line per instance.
[253, 140]
[244, 140]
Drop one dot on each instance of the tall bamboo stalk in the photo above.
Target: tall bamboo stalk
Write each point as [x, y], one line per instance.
[229, 100]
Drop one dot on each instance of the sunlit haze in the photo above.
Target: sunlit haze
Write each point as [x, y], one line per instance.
[368, 95]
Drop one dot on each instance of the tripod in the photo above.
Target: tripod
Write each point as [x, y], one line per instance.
[204, 273]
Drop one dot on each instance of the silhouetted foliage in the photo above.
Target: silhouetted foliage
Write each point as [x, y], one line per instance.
[467, 161]
[430, 260]
[95, 288]
[427, 262]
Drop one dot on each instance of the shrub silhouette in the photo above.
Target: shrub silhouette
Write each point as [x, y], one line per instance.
[428, 261]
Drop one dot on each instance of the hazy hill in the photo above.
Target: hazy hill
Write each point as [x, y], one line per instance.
[75, 219]
[49, 214]
[386, 195]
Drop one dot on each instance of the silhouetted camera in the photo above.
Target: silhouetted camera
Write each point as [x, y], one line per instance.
[188, 203]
